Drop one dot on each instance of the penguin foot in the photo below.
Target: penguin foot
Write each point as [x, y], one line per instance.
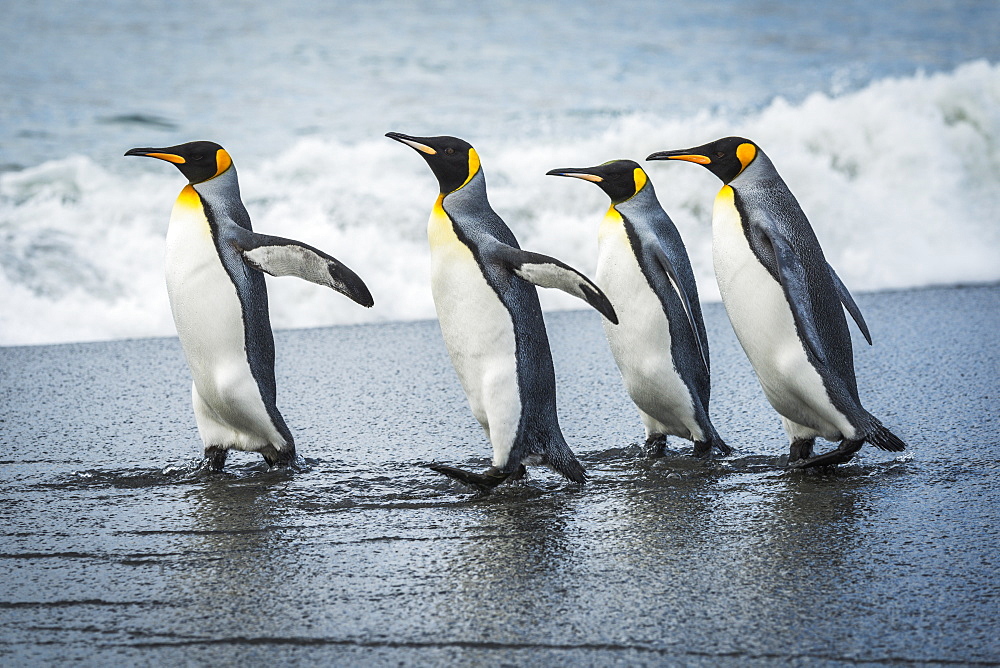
[656, 446]
[843, 454]
[482, 482]
[702, 449]
[724, 448]
[518, 474]
[215, 458]
[705, 449]
[800, 449]
[275, 457]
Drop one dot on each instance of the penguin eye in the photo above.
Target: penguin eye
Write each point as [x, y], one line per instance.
[449, 150]
[197, 157]
[720, 154]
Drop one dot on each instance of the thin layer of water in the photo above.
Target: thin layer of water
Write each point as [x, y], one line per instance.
[119, 547]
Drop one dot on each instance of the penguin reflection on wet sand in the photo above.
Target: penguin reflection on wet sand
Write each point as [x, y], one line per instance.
[490, 318]
[784, 302]
[660, 344]
[219, 302]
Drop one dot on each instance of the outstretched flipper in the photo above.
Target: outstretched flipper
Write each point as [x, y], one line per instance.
[848, 301]
[668, 269]
[548, 272]
[278, 256]
[481, 482]
[792, 276]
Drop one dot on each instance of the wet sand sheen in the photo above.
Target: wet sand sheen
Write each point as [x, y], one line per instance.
[117, 549]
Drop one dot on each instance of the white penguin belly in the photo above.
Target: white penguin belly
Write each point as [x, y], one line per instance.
[640, 342]
[765, 327]
[209, 320]
[478, 333]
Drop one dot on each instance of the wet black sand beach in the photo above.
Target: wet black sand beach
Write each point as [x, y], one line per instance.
[115, 549]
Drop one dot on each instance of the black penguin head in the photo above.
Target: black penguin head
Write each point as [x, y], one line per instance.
[726, 158]
[453, 160]
[198, 160]
[619, 179]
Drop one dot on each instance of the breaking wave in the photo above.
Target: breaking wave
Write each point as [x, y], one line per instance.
[900, 180]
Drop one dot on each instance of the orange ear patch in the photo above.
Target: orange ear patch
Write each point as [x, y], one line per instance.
[640, 179]
[746, 152]
[223, 161]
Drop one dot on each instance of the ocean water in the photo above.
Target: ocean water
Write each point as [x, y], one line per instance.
[884, 118]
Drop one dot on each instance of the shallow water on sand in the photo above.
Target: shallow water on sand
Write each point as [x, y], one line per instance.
[117, 547]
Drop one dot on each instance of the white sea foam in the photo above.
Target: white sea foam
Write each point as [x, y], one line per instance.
[899, 179]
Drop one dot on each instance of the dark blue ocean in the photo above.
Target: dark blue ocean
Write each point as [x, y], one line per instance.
[884, 118]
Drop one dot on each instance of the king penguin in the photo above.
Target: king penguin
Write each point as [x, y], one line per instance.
[784, 301]
[659, 344]
[490, 318]
[218, 298]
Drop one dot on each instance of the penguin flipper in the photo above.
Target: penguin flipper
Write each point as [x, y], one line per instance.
[548, 272]
[848, 301]
[668, 269]
[278, 256]
[792, 276]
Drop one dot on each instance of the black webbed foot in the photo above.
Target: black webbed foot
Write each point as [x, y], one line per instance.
[215, 458]
[275, 457]
[656, 446]
[518, 473]
[702, 449]
[800, 449]
[481, 482]
[844, 453]
[705, 449]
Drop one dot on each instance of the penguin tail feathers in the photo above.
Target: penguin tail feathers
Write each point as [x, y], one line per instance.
[712, 444]
[883, 439]
[724, 448]
[718, 444]
[562, 460]
[571, 470]
[548, 448]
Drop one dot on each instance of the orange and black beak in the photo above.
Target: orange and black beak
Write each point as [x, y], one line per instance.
[198, 160]
[726, 157]
[159, 153]
[688, 154]
[619, 179]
